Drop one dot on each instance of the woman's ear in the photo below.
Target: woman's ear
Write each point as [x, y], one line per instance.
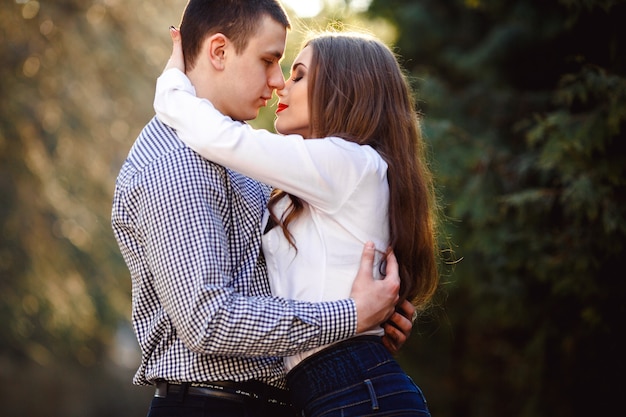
[216, 50]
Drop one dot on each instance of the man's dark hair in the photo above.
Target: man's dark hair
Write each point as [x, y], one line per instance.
[236, 19]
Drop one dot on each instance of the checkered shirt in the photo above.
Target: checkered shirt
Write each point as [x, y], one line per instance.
[190, 233]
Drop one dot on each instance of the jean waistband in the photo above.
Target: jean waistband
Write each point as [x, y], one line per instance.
[336, 367]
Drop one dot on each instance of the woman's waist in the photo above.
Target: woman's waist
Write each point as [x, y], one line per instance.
[311, 358]
[342, 364]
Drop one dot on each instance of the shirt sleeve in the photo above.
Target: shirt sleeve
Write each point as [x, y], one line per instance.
[323, 172]
[183, 232]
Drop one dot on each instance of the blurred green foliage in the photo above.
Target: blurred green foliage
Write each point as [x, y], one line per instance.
[524, 108]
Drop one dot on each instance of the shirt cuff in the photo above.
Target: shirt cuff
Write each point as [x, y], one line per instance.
[338, 320]
[174, 78]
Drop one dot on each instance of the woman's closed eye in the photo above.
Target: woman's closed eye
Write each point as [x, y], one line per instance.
[297, 75]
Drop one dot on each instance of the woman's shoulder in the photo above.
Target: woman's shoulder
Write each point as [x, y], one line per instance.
[365, 153]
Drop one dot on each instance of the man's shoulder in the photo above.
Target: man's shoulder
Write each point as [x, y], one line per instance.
[158, 157]
[155, 140]
[158, 146]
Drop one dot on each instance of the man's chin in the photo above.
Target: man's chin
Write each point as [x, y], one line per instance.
[246, 116]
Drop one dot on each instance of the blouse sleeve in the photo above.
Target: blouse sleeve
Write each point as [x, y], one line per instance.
[323, 172]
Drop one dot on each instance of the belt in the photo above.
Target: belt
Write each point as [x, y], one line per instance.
[231, 391]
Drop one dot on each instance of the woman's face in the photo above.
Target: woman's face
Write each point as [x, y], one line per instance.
[293, 106]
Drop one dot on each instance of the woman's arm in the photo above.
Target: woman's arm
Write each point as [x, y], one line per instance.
[323, 172]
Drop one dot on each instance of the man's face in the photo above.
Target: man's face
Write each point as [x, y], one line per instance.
[251, 77]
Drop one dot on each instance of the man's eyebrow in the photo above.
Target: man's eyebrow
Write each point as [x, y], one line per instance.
[276, 54]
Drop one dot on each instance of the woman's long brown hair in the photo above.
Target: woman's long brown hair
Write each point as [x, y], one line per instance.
[357, 91]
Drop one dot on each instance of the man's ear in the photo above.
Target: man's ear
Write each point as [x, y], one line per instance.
[216, 50]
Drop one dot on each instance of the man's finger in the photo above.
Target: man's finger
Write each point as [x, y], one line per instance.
[392, 269]
[393, 338]
[407, 309]
[366, 266]
[367, 258]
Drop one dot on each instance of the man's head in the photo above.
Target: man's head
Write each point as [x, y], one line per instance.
[232, 51]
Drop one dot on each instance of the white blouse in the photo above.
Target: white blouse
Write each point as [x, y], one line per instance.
[343, 184]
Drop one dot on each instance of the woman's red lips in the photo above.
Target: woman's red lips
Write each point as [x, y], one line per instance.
[281, 107]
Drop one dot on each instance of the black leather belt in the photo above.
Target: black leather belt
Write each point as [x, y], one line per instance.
[231, 391]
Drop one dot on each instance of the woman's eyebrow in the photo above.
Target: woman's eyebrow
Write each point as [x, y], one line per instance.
[296, 65]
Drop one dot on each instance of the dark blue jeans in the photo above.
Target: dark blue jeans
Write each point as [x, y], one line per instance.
[357, 377]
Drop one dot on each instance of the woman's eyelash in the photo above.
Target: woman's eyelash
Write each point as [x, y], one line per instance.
[296, 78]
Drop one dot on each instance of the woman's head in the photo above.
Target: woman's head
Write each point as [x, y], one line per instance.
[355, 88]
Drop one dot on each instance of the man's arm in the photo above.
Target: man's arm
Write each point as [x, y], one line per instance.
[189, 253]
[205, 289]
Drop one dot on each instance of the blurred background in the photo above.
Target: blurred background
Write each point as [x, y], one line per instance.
[524, 109]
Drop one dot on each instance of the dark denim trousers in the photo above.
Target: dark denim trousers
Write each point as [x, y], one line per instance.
[357, 377]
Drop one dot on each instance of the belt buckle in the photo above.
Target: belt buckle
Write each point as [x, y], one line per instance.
[161, 389]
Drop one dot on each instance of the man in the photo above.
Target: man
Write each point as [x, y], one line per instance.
[211, 336]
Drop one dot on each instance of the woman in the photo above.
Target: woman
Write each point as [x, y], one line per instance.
[364, 180]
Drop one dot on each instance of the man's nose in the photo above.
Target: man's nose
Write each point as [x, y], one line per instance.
[276, 81]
